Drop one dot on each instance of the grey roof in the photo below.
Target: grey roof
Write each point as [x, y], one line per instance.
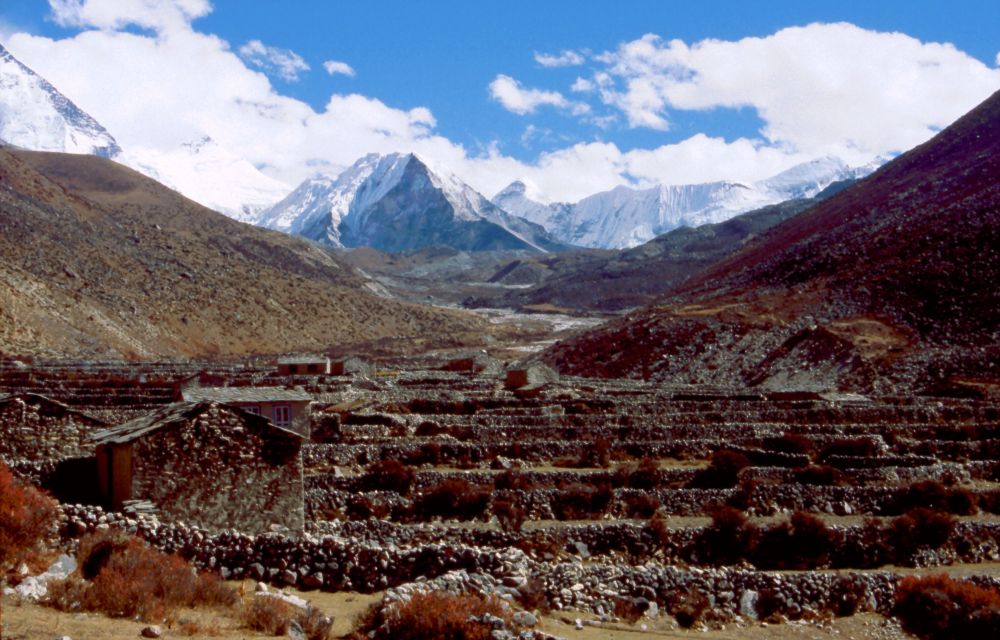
[303, 360]
[228, 395]
[176, 413]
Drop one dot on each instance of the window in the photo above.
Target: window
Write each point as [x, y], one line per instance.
[252, 408]
[282, 415]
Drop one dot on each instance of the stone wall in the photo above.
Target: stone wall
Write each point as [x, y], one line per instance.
[221, 471]
[33, 428]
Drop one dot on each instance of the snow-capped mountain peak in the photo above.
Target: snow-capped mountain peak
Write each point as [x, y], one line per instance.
[398, 202]
[625, 217]
[35, 115]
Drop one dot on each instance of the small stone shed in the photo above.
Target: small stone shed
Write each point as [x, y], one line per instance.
[286, 408]
[36, 428]
[206, 464]
[303, 365]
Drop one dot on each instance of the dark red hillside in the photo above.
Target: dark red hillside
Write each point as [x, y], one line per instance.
[903, 266]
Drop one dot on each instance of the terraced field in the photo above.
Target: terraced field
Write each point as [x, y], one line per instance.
[612, 501]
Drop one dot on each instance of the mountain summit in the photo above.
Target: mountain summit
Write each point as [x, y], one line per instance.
[35, 115]
[625, 217]
[396, 202]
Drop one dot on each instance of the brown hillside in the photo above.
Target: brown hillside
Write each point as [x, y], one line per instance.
[99, 260]
[891, 281]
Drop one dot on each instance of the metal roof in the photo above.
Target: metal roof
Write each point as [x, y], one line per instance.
[230, 395]
[176, 413]
[303, 360]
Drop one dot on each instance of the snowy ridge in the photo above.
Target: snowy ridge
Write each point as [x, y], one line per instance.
[625, 217]
[34, 115]
[382, 195]
[211, 176]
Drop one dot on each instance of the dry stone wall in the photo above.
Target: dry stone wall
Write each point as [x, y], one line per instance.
[222, 472]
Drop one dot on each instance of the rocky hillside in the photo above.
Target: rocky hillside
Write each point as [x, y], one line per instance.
[595, 280]
[891, 282]
[99, 260]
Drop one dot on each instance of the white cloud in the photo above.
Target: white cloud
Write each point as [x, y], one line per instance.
[566, 58]
[817, 88]
[158, 15]
[333, 67]
[517, 99]
[157, 91]
[284, 62]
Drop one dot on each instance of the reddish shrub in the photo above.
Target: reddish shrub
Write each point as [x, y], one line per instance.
[729, 539]
[510, 516]
[931, 494]
[582, 502]
[432, 616]
[789, 443]
[722, 472]
[640, 505]
[940, 608]
[821, 475]
[130, 579]
[918, 529]
[452, 498]
[804, 542]
[511, 480]
[26, 517]
[389, 475]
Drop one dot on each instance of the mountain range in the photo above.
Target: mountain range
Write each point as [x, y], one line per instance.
[34, 115]
[626, 217]
[890, 284]
[394, 202]
[101, 261]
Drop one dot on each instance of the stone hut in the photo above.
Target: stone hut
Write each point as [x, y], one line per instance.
[303, 365]
[474, 362]
[206, 464]
[35, 428]
[351, 365]
[532, 375]
[285, 408]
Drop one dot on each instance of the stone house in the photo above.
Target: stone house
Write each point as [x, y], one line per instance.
[303, 365]
[35, 428]
[285, 408]
[206, 464]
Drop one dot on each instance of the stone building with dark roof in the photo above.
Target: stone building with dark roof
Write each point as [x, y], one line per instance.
[207, 464]
[36, 428]
[303, 365]
[286, 408]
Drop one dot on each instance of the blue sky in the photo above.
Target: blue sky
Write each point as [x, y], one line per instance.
[462, 81]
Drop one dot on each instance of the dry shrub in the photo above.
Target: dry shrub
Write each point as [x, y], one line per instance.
[820, 475]
[940, 608]
[268, 614]
[432, 615]
[511, 480]
[931, 494]
[389, 475]
[582, 502]
[452, 498]
[722, 472]
[640, 505]
[127, 578]
[510, 516]
[804, 542]
[789, 443]
[26, 517]
[729, 539]
[689, 608]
